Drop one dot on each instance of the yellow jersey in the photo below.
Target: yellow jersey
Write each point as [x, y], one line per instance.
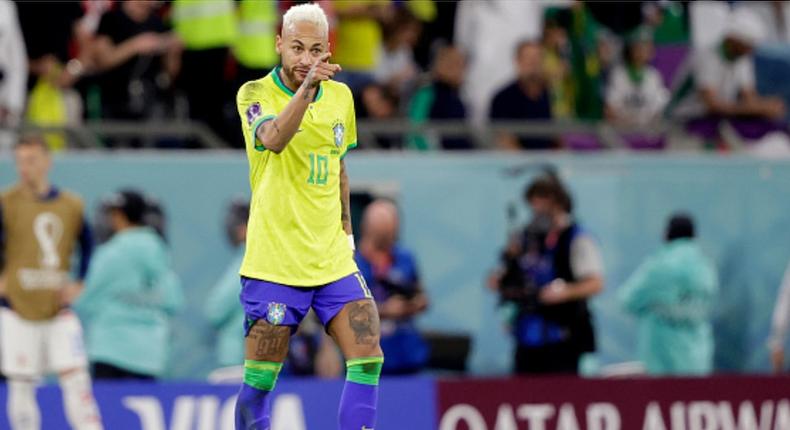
[294, 234]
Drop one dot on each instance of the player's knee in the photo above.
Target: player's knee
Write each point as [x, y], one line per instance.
[364, 370]
[261, 375]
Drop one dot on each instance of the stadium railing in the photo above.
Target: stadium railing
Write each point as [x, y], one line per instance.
[93, 134]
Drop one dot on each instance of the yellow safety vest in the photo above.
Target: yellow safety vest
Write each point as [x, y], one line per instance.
[254, 46]
[205, 24]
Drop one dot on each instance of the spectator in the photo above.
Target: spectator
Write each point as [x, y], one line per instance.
[397, 69]
[485, 31]
[58, 58]
[724, 85]
[525, 98]
[379, 103]
[779, 327]
[672, 294]
[208, 30]
[13, 74]
[358, 47]
[138, 58]
[551, 270]
[556, 63]
[390, 271]
[131, 294]
[636, 95]
[440, 99]
[254, 47]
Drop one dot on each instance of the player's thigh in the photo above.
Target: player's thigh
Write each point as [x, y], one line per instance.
[64, 343]
[356, 329]
[266, 342]
[347, 309]
[21, 346]
[272, 313]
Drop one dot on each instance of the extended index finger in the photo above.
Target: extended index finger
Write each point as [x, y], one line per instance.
[323, 57]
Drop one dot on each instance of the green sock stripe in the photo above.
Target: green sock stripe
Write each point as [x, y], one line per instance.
[261, 375]
[263, 365]
[364, 360]
[364, 371]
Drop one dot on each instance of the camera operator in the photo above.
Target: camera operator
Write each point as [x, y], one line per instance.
[548, 272]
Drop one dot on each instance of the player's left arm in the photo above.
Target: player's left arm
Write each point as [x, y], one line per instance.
[345, 199]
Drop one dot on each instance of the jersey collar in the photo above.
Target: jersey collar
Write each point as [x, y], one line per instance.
[276, 76]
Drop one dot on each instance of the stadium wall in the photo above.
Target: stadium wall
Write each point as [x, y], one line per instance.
[454, 208]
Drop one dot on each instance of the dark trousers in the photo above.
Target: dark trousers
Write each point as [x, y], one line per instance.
[108, 371]
[204, 83]
[559, 358]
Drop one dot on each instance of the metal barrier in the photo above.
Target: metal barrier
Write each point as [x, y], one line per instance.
[150, 133]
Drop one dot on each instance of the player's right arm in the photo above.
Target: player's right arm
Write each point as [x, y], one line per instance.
[275, 134]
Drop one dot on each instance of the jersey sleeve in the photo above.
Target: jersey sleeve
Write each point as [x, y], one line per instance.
[350, 136]
[254, 108]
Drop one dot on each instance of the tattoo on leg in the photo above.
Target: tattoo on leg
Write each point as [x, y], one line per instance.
[270, 341]
[364, 322]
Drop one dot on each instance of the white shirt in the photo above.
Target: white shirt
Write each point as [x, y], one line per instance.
[488, 32]
[636, 102]
[585, 257]
[393, 63]
[13, 61]
[712, 71]
[776, 31]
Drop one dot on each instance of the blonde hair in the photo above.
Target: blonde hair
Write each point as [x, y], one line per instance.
[307, 12]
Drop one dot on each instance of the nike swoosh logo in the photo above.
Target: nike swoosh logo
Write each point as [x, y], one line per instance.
[301, 129]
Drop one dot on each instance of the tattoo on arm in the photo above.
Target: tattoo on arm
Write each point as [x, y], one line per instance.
[345, 200]
[364, 322]
[268, 342]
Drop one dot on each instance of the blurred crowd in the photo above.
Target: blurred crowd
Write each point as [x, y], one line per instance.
[636, 65]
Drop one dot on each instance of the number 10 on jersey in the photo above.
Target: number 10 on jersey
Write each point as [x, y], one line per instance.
[319, 169]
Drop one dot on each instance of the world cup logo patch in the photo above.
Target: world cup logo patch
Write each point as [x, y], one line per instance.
[339, 131]
[276, 313]
[253, 112]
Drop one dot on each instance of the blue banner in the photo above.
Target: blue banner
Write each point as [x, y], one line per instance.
[299, 404]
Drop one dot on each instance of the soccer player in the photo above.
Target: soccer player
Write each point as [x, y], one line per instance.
[40, 225]
[298, 124]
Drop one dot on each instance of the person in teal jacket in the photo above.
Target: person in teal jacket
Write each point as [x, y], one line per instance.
[672, 294]
[222, 308]
[131, 295]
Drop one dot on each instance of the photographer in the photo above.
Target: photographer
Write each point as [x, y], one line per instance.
[549, 271]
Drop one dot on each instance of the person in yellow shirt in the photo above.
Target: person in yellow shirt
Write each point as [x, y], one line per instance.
[359, 38]
[298, 124]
